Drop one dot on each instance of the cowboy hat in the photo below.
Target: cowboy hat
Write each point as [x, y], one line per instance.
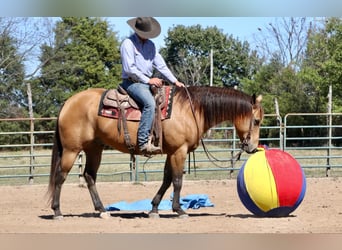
[145, 27]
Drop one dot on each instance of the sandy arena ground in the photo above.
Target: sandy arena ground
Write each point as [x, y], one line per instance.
[24, 209]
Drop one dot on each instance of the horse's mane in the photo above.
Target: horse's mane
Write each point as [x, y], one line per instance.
[217, 104]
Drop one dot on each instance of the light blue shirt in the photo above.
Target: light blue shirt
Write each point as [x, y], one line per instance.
[138, 60]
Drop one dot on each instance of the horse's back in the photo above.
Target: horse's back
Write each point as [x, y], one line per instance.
[85, 95]
[82, 100]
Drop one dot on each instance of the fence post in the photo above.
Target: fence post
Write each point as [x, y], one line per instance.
[32, 160]
[280, 124]
[80, 171]
[329, 130]
[30, 106]
[133, 167]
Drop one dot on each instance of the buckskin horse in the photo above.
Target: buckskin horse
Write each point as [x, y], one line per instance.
[195, 110]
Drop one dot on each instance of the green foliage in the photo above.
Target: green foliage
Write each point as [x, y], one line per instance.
[188, 54]
[304, 89]
[12, 87]
[283, 84]
[323, 64]
[85, 55]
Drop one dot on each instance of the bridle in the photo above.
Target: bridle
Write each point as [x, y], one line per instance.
[247, 139]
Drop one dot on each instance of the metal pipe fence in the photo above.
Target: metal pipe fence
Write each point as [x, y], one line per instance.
[25, 155]
[317, 143]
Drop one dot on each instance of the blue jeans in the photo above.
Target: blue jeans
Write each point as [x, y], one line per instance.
[142, 95]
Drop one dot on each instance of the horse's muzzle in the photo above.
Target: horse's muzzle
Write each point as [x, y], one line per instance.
[245, 147]
[252, 151]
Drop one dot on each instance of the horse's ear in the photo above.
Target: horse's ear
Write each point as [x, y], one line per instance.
[256, 99]
[259, 99]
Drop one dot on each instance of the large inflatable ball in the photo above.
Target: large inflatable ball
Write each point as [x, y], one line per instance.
[271, 183]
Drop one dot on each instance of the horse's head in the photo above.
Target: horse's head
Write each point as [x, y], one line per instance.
[248, 128]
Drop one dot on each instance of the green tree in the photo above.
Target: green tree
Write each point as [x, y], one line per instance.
[188, 53]
[84, 55]
[275, 81]
[264, 82]
[291, 69]
[323, 64]
[12, 89]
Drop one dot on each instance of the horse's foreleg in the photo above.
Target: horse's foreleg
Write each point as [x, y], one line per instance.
[92, 165]
[177, 181]
[177, 162]
[173, 173]
[167, 179]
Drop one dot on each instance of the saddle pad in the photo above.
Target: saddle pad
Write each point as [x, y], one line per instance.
[133, 114]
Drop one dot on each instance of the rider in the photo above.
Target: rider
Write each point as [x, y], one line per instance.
[139, 56]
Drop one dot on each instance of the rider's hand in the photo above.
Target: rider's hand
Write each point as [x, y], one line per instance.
[179, 84]
[156, 82]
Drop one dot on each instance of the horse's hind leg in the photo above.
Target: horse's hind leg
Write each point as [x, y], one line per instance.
[61, 173]
[93, 160]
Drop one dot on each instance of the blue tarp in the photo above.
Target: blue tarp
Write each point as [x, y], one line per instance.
[194, 201]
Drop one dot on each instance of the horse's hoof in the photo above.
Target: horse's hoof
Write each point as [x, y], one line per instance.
[105, 215]
[58, 217]
[153, 215]
[183, 216]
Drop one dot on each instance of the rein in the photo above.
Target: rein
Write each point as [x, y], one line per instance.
[212, 158]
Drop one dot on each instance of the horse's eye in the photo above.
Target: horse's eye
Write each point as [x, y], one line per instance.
[256, 122]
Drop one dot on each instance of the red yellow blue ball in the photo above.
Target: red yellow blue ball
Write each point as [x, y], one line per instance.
[271, 183]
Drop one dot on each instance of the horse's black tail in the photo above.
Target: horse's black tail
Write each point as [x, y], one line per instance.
[57, 152]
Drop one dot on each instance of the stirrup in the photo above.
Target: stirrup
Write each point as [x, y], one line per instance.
[150, 149]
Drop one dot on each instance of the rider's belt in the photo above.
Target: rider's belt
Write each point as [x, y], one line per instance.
[130, 80]
[133, 80]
